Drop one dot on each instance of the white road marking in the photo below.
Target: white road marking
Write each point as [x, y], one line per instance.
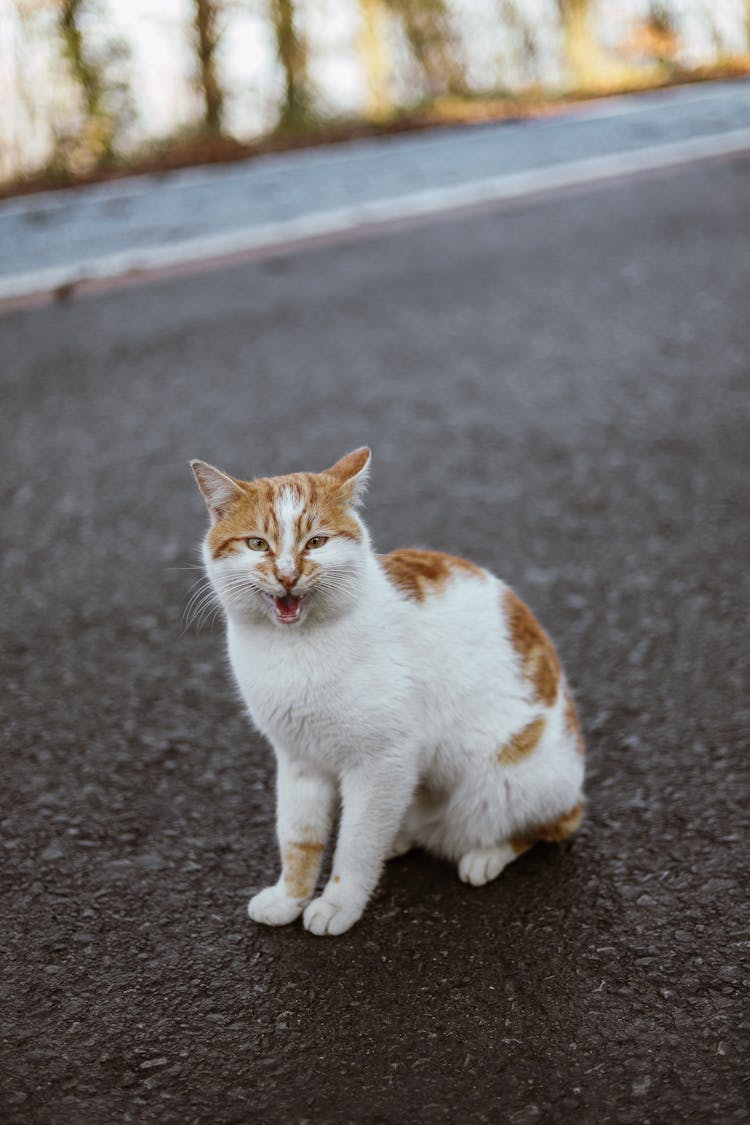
[368, 215]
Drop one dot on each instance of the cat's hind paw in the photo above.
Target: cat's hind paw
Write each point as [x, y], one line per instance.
[273, 907]
[325, 917]
[482, 865]
[400, 846]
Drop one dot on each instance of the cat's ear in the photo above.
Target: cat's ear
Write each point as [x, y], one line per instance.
[351, 473]
[219, 489]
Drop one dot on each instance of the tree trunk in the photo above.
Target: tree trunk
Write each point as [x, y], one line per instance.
[99, 128]
[588, 65]
[292, 52]
[434, 44]
[207, 35]
[374, 54]
[527, 54]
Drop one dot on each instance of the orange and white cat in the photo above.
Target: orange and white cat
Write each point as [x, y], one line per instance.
[414, 687]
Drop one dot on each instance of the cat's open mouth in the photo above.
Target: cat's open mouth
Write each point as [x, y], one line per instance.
[287, 609]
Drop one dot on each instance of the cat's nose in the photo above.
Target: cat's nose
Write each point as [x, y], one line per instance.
[287, 580]
[285, 570]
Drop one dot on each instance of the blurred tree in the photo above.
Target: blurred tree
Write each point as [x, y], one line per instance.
[660, 27]
[292, 52]
[206, 39]
[435, 44]
[374, 51]
[590, 68]
[98, 75]
[522, 30]
[26, 124]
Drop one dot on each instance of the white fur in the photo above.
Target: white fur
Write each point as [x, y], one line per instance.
[373, 695]
[288, 508]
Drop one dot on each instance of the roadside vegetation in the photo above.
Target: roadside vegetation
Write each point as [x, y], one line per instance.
[413, 58]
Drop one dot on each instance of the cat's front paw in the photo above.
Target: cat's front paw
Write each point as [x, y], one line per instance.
[324, 916]
[273, 907]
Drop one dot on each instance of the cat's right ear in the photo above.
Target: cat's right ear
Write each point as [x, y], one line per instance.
[219, 489]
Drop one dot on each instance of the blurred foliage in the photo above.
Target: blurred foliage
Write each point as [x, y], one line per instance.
[414, 57]
[98, 71]
[373, 49]
[435, 44]
[589, 66]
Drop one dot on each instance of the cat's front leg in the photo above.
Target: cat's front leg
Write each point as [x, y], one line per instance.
[304, 814]
[374, 800]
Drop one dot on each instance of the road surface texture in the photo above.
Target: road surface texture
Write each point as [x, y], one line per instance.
[558, 390]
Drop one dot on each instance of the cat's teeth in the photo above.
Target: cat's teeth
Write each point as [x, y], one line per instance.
[287, 608]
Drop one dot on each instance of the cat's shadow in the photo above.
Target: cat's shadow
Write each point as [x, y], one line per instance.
[418, 882]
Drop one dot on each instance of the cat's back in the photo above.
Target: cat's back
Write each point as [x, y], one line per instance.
[441, 592]
[454, 611]
[474, 638]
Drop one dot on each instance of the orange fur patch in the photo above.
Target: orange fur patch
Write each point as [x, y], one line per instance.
[572, 722]
[300, 863]
[552, 833]
[418, 573]
[521, 745]
[324, 502]
[564, 826]
[538, 657]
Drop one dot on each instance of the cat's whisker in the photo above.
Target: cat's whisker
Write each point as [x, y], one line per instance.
[192, 609]
[196, 589]
[199, 603]
[194, 622]
[204, 586]
[194, 586]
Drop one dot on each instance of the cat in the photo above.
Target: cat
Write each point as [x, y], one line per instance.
[414, 687]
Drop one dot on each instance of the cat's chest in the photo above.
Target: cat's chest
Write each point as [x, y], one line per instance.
[309, 697]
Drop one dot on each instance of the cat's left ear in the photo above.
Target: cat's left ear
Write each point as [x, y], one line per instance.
[351, 473]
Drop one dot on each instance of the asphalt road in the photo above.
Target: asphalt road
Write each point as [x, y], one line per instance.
[559, 391]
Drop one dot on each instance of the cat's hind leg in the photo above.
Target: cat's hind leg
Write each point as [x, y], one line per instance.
[407, 836]
[425, 812]
[402, 845]
[481, 865]
[555, 831]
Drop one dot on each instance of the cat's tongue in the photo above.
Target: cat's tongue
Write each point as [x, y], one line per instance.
[287, 608]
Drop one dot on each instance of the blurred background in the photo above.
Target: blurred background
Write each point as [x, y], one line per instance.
[89, 87]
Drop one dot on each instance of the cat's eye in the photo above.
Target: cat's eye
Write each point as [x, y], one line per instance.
[316, 541]
[255, 543]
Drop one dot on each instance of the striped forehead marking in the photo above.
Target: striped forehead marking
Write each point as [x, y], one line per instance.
[289, 507]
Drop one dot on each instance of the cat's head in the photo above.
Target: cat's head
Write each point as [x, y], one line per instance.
[286, 548]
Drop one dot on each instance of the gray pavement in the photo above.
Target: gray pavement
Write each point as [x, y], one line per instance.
[560, 392]
[40, 232]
